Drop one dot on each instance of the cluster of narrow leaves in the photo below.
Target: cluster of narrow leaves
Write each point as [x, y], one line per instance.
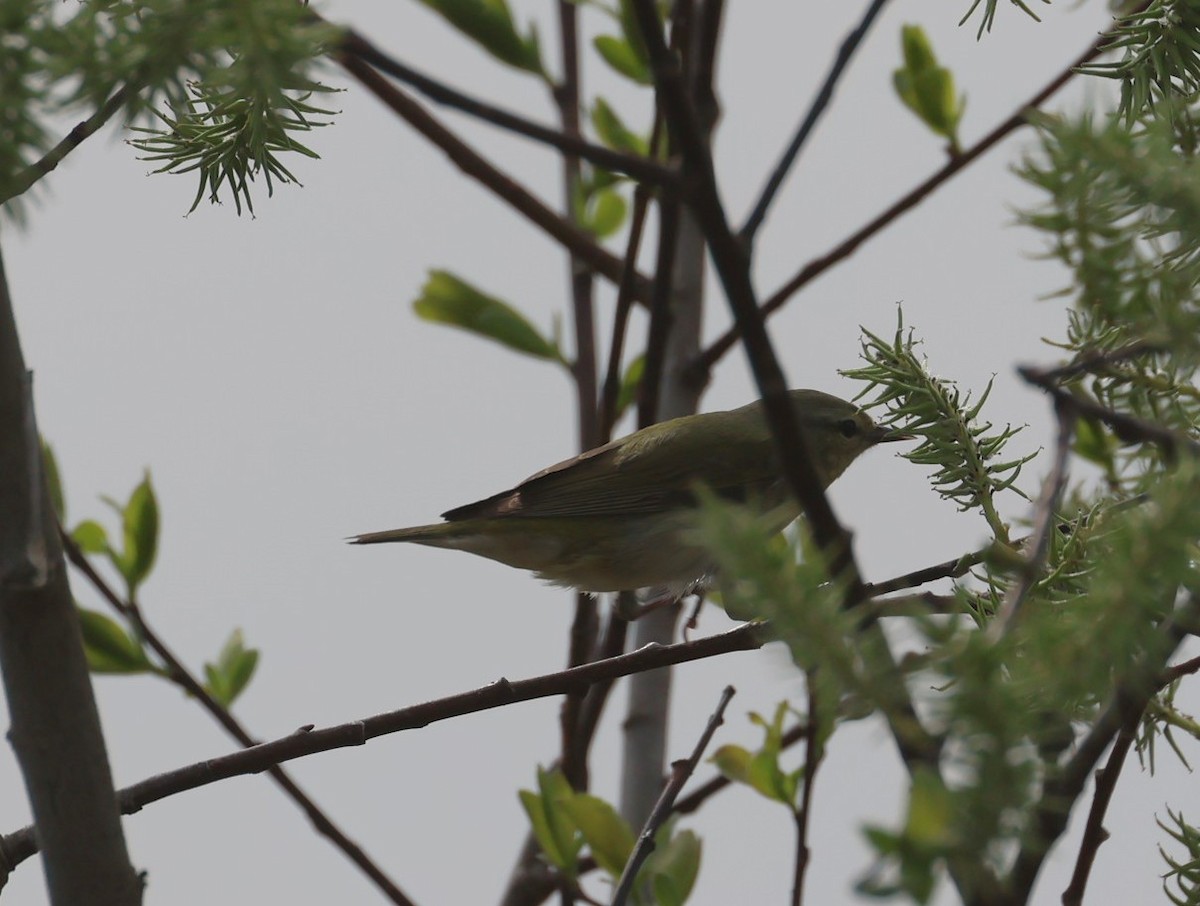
[229, 138]
[969, 456]
[1182, 880]
[567, 823]
[987, 17]
[234, 77]
[118, 647]
[1159, 68]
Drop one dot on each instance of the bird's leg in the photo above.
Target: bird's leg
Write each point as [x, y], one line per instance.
[629, 608]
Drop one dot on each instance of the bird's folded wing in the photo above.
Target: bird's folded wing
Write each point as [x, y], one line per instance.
[639, 475]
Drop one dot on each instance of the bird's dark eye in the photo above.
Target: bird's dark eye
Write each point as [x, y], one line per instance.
[848, 427]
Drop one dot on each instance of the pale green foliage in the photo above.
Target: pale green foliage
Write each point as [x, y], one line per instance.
[988, 16]
[233, 76]
[971, 470]
[1123, 214]
[1159, 67]
[1181, 883]
[926, 88]
[567, 823]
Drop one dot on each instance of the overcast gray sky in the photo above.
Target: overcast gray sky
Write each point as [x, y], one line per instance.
[271, 374]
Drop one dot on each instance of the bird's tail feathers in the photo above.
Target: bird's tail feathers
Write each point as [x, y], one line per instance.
[439, 534]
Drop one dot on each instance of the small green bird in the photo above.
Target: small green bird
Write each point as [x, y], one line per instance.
[621, 517]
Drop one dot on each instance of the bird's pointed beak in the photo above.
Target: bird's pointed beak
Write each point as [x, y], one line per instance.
[889, 435]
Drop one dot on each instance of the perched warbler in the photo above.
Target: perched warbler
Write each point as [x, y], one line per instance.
[622, 516]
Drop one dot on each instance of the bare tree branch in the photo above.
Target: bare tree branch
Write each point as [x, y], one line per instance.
[907, 202]
[182, 677]
[574, 239]
[568, 141]
[680, 772]
[22, 844]
[819, 104]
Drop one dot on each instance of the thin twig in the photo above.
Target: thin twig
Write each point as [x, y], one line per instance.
[1094, 833]
[1179, 671]
[49, 161]
[180, 675]
[1044, 523]
[949, 569]
[574, 239]
[819, 104]
[1131, 693]
[1127, 427]
[306, 741]
[911, 199]
[633, 246]
[585, 626]
[1090, 363]
[680, 772]
[643, 169]
[813, 754]
[612, 380]
[661, 315]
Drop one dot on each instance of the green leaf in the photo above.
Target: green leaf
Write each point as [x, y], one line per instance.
[1095, 444]
[551, 822]
[674, 869]
[927, 88]
[445, 299]
[91, 537]
[556, 791]
[930, 812]
[613, 131]
[228, 677]
[761, 770]
[604, 213]
[109, 648]
[765, 776]
[619, 54]
[734, 762]
[631, 383]
[54, 483]
[606, 833]
[140, 527]
[489, 23]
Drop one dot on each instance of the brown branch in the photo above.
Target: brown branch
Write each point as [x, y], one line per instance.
[1179, 671]
[845, 53]
[585, 625]
[182, 677]
[1094, 833]
[1044, 523]
[910, 200]
[1127, 427]
[574, 239]
[571, 143]
[661, 314]
[49, 161]
[813, 755]
[680, 772]
[949, 569]
[22, 844]
[1130, 696]
[612, 379]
